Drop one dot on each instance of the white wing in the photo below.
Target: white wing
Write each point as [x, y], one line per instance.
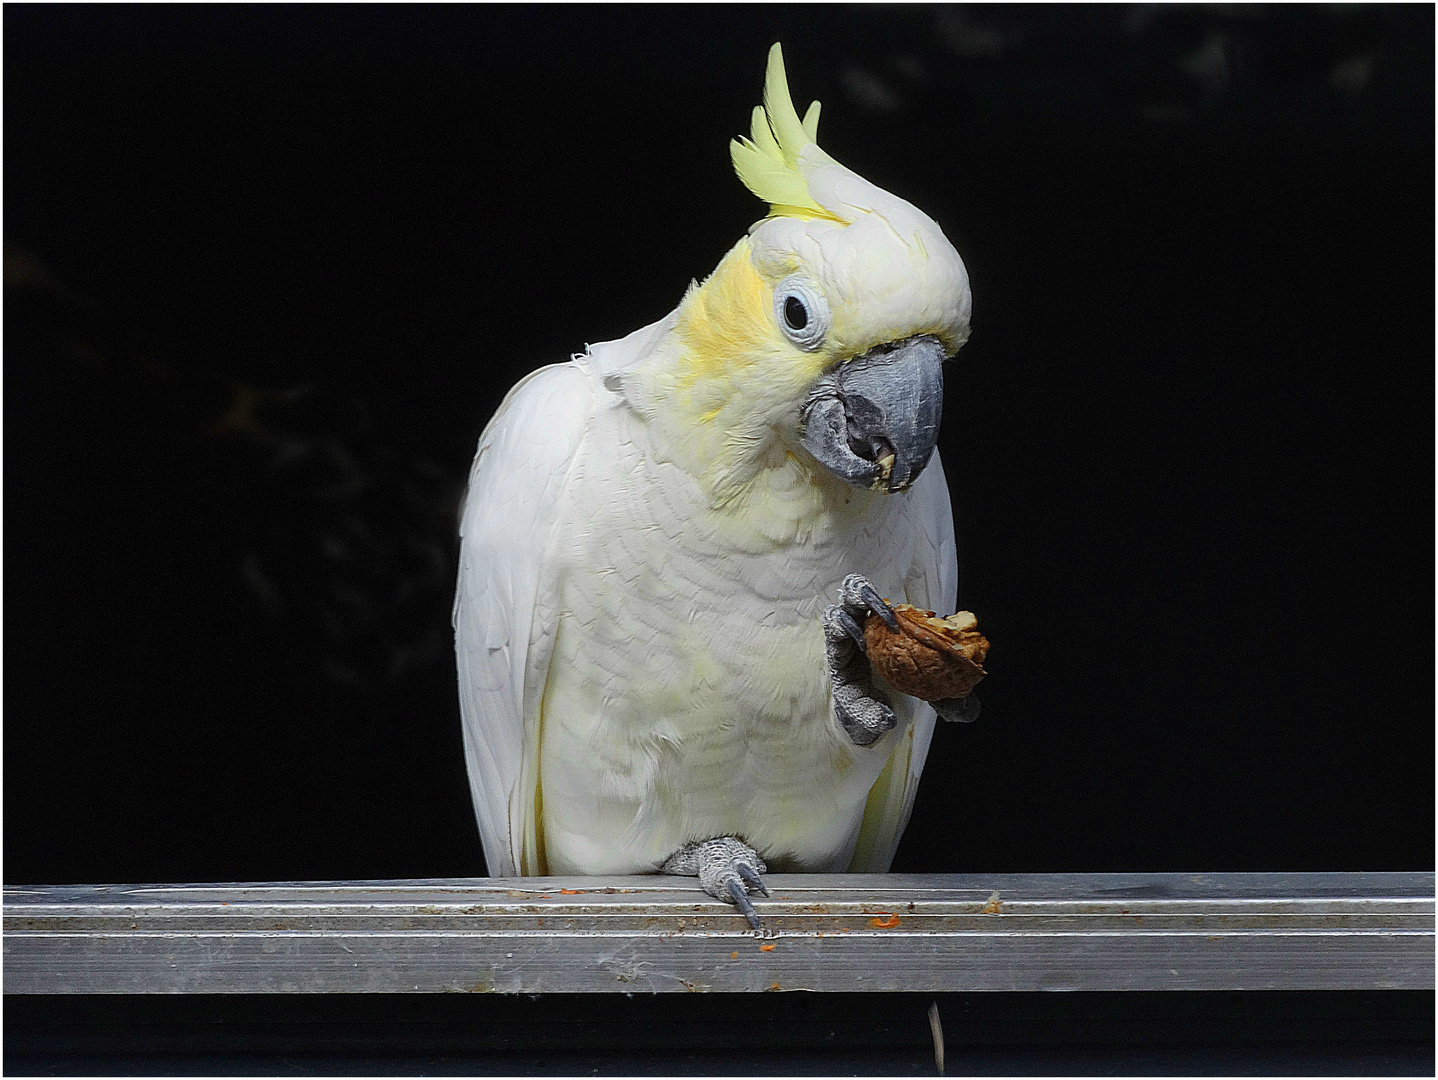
[503, 639]
[932, 584]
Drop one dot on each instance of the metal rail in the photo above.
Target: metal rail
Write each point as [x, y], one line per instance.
[891, 932]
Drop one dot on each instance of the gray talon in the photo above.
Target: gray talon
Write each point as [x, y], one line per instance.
[752, 879]
[964, 710]
[727, 869]
[851, 626]
[878, 607]
[741, 901]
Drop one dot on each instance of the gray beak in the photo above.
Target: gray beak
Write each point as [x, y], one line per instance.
[874, 420]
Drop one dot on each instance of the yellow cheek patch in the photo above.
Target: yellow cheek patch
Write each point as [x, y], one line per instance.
[724, 325]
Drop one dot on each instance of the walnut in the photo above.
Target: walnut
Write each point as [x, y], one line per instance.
[930, 658]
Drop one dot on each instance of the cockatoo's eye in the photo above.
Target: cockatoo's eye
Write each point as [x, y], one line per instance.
[802, 312]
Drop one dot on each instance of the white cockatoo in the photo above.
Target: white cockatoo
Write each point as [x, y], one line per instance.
[654, 675]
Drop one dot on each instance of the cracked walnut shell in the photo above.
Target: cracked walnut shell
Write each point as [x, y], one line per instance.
[930, 658]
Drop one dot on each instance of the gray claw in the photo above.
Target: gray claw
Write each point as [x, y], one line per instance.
[964, 710]
[851, 627]
[723, 865]
[879, 608]
[741, 900]
[751, 878]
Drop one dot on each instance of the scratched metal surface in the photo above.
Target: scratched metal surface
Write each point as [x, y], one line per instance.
[649, 934]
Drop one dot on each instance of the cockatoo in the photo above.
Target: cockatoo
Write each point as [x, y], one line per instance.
[654, 676]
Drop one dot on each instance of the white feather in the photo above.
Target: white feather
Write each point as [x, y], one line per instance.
[502, 648]
[932, 584]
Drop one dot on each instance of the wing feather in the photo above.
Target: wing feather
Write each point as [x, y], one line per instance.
[502, 650]
[932, 583]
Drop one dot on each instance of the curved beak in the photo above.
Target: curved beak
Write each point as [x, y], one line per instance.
[873, 421]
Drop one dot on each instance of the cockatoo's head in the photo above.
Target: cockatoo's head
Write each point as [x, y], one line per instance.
[867, 294]
[821, 335]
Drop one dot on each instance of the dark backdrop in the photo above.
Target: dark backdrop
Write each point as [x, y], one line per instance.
[269, 271]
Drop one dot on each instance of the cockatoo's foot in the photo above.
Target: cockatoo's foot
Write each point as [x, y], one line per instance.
[727, 870]
[860, 708]
[960, 710]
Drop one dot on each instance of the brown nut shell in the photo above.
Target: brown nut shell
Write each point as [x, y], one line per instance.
[930, 658]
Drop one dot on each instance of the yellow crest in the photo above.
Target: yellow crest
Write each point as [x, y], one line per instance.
[768, 161]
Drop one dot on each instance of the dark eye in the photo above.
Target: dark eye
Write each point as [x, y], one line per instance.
[800, 312]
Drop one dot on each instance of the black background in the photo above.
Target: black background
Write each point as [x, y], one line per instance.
[269, 271]
[1194, 1033]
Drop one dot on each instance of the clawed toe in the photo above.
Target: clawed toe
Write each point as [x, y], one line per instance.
[857, 595]
[850, 626]
[728, 869]
[879, 607]
[859, 707]
[964, 710]
[863, 716]
[739, 896]
[751, 878]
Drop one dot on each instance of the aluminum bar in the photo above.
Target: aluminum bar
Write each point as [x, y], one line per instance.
[891, 932]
